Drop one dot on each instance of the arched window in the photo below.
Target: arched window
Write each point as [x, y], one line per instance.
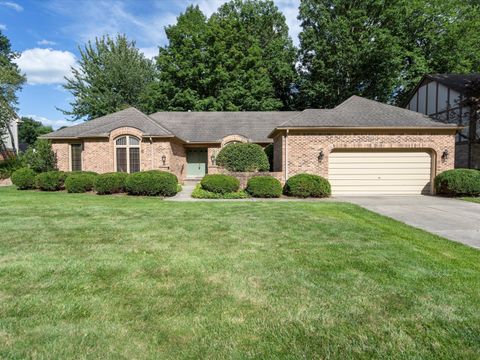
[127, 154]
[232, 142]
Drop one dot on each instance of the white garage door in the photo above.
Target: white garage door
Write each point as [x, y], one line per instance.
[379, 173]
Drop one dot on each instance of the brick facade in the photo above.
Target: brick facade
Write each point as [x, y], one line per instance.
[302, 149]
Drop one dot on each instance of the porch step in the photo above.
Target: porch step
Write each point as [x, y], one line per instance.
[191, 181]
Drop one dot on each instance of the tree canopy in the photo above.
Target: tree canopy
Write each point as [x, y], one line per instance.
[241, 58]
[380, 49]
[29, 130]
[111, 75]
[11, 80]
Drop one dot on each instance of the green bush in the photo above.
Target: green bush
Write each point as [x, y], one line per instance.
[79, 182]
[152, 183]
[110, 183]
[307, 185]
[243, 157]
[8, 166]
[220, 184]
[199, 193]
[458, 182]
[264, 187]
[40, 157]
[24, 178]
[269, 152]
[50, 180]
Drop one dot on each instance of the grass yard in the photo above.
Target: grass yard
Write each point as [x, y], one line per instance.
[472, 199]
[86, 276]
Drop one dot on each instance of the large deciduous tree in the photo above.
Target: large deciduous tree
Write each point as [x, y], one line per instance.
[29, 130]
[11, 80]
[111, 75]
[380, 49]
[240, 59]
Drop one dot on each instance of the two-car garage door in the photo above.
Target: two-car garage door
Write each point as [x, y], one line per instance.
[379, 172]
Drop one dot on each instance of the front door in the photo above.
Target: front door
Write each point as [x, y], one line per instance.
[196, 163]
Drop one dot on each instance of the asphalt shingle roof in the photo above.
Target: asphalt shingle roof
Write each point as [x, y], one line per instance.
[102, 126]
[359, 112]
[214, 126]
[254, 125]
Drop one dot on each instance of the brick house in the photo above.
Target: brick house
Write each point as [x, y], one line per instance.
[361, 146]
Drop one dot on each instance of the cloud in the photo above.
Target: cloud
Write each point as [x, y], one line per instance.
[12, 5]
[3, 27]
[149, 52]
[45, 66]
[45, 42]
[53, 123]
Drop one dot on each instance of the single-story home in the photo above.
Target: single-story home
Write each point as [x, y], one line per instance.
[361, 146]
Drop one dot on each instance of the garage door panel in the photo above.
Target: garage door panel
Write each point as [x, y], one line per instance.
[379, 173]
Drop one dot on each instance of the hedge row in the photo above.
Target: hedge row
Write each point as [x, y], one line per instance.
[227, 187]
[150, 183]
[458, 182]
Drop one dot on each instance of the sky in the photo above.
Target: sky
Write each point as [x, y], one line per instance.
[47, 34]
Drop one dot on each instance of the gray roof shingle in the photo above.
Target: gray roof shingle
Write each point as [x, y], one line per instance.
[102, 126]
[360, 112]
[214, 126]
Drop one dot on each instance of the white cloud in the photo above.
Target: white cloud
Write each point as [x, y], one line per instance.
[45, 66]
[46, 42]
[3, 27]
[53, 123]
[12, 5]
[149, 52]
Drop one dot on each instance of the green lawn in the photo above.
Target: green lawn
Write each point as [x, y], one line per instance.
[472, 199]
[85, 276]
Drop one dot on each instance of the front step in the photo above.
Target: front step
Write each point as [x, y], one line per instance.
[191, 181]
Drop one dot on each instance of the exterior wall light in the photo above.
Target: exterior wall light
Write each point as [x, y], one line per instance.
[321, 155]
[213, 158]
[445, 155]
[164, 159]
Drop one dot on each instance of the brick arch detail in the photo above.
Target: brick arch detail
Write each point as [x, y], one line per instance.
[234, 137]
[122, 131]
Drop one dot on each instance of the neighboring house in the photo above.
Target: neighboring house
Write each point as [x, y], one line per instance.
[9, 140]
[361, 146]
[440, 96]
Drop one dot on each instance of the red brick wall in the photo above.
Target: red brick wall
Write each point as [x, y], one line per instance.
[304, 148]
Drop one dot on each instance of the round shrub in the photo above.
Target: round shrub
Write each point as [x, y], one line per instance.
[264, 187]
[307, 185]
[110, 183]
[23, 178]
[50, 180]
[151, 183]
[243, 157]
[458, 182]
[220, 184]
[79, 182]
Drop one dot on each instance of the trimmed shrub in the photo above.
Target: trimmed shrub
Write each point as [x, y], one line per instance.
[40, 156]
[8, 166]
[79, 182]
[243, 157]
[458, 182]
[220, 184]
[50, 180]
[307, 185]
[24, 178]
[199, 193]
[152, 183]
[264, 187]
[269, 152]
[110, 183]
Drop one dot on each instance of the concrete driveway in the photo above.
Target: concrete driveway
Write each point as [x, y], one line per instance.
[453, 219]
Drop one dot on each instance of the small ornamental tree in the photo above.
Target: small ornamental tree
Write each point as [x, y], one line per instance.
[41, 157]
[243, 157]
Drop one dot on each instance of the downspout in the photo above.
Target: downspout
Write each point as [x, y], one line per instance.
[286, 155]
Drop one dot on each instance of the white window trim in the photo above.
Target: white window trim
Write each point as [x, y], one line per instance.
[128, 147]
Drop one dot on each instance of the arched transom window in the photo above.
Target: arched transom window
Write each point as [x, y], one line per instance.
[127, 154]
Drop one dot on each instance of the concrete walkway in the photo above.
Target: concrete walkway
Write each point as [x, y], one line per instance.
[453, 219]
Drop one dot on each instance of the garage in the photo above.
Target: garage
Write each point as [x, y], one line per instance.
[380, 172]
